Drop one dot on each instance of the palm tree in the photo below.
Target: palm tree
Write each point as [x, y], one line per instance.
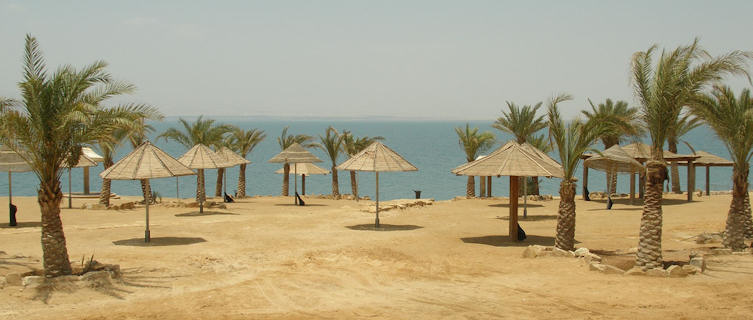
[522, 123]
[132, 130]
[243, 142]
[352, 146]
[732, 119]
[570, 140]
[331, 144]
[285, 141]
[682, 125]
[56, 115]
[201, 131]
[473, 143]
[619, 120]
[663, 90]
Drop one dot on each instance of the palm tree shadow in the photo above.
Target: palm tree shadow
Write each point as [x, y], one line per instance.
[520, 205]
[384, 227]
[295, 205]
[205, 213]
[537, 217]
[504, 241]
[159, 241]
[27, 224]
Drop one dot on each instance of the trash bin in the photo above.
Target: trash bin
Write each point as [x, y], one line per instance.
[418, 194]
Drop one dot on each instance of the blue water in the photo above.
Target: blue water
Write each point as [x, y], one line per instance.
[431, 146]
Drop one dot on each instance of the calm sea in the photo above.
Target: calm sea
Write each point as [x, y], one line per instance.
[432, 146]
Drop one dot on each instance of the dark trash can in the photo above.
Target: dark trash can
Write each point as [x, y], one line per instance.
[418, 194]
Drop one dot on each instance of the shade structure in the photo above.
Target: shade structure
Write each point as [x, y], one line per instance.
[11, 161]
[612, 161]
[709, 160]
[303, 170]
[513, 160]
[200, 157]
[295, 154]
[377, 158]
[229, 156]
[642, 153]
[144, 163]
[83, 162]
[91, 154]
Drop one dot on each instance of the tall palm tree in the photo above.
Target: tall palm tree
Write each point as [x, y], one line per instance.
[201, 131]
[56, 115]
[732, 119]
[352, 145]
[244, 142]
[131, 130]
[331, 144]
[473, 143]
[619, 120]
[683, 124]
[285, 140]
[663, 90]
[522, 123]
[571, 141]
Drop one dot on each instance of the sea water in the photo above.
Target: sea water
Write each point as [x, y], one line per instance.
[431, 146]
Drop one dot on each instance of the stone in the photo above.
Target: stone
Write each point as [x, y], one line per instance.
[529, 252]
[13, 279]
[535, 250]
[581, 252]
[610, 269]
[698, 262]
[676, 271]
[94, 206]
[32, 281]
[656, 272]
[557, 252]
[595, 266]
[690, 269]
[635, 271]
[127, 206]
[593, 257]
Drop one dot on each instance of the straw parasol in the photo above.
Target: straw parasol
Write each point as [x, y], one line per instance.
[613, 160]
[89, 153]
[12, 162]
[201, 157]
[234, 159]
[83, 162]
[303, 170]
[377, 158]
[513, 160]
[295, 154]
[144, 163]
[710, 160]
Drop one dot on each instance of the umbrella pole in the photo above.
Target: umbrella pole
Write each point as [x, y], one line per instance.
[11, 215]
[708, 190]
[224, 184]
[147, 233]
[303, 184]
[525, 197]
[513, 232]
[295, 182]
[177, 190]
[70, 194]
[376, 222]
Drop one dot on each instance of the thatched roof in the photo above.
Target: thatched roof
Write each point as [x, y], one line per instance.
[201, 157]
[305, 168]
[614, 159]
[295, 154]
[146, 162]
[91, 154]
[711, 160]
[512, 159]
[84, 161]
[231, 157]
[642, 152]
[11, 161]
[377, 158]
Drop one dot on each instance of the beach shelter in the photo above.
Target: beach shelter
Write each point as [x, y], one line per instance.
[642, 153]
[295, 154]
[83, 162]
[200, 157]
[614, 160]
[709, 160]
[513, 160]
[144, 163]
[92, 155]
[12, 162]
[232, 158]
[305, 169]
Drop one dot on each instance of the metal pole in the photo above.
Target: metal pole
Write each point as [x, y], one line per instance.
[10, 191]
[376, 222]
[70, 194]
[224, 182]
[295, 182]
[147, 233]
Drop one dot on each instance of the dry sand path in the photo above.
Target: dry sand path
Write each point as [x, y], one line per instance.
[265, 259]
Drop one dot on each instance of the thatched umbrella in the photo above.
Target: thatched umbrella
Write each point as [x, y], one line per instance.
[295, 154]
[303, 170]
[234, 159]
[83, 162]
[377, 158]
[513, 160]
[642, 153]
[89, 153]
[144, 163]
[710, 160]
[12, 162]
[613, 160]
[200, 157]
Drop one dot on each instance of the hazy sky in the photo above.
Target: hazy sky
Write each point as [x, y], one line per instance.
[426, 59]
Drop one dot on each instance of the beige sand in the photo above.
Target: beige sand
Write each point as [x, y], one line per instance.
[263, 258]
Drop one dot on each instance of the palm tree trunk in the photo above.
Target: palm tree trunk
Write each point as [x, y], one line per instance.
[54, 250]
[566, 217]
[145, 187]
[241, 181]
[218, 185]
[748, 218]
[335, 183]
[286, 180]
[104, 195]
[649, 253]
[612, 182]
[354, 184]
[675, 177]
[470, 188]
[482, 187]
[735, 233]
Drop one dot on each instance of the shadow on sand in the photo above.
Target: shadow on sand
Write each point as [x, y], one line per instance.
[530, 217]
[520, 205]
[295, 205]
[28, 224]
[205, 213]
[384, 227]
[504, 241]
[159, 241]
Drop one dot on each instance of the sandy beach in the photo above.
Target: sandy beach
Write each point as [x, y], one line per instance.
[263, 258]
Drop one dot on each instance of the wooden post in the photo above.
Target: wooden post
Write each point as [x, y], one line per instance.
[303, 184]
[489, 186]
[147, 232]
[632, 187]
[376, 221]
[481, 187]
[86, 180]
[585, 181]
[691, 182]
[641, 183]
[295, 182]
[708, 189]
[70, 193]
[514, 181]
